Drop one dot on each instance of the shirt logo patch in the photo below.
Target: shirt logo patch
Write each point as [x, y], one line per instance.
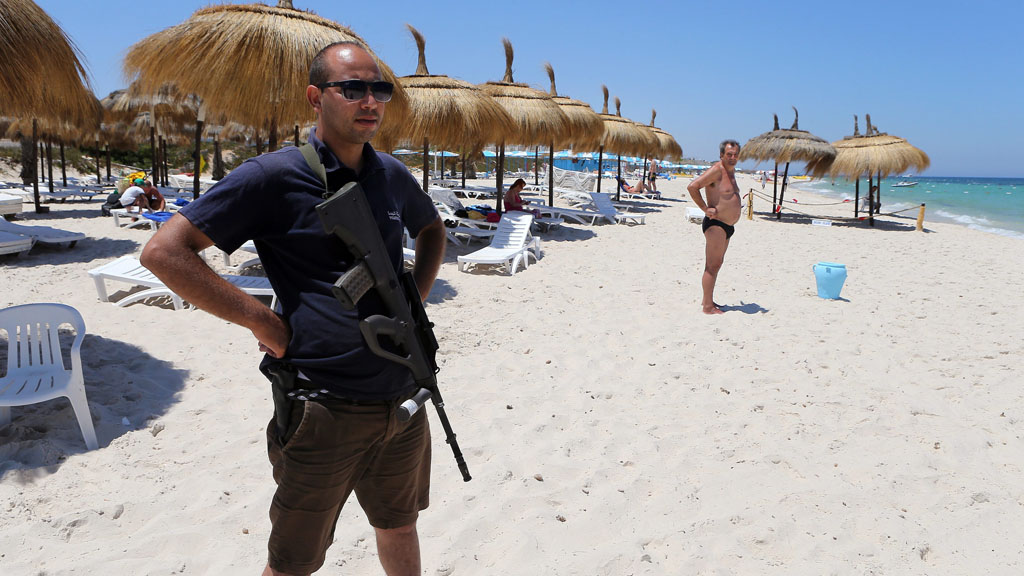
[394, 215]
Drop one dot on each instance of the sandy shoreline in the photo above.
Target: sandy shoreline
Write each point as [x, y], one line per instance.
[611, 428]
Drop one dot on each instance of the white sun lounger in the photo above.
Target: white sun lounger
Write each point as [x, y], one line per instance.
[510, 245]
[10, 204]
[43, 234]
[15, 243]
[603, 203]
[128, 269]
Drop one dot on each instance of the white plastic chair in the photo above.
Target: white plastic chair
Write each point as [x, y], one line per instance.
[35, 367]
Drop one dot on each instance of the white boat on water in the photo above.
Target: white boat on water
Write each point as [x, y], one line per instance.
[904, 184]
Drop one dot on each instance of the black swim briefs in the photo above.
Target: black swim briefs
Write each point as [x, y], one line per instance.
[708, 222]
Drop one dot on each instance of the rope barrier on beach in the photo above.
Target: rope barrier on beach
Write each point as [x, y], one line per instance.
[795, 211]
[766, 197]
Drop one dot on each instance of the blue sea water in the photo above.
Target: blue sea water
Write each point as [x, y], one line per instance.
[994, 205]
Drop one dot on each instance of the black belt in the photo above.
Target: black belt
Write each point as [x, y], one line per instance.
[327, 398]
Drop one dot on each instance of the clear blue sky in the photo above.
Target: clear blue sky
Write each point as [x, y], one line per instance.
[947, 76]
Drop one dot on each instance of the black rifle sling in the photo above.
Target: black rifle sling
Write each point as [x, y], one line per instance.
[313, 160]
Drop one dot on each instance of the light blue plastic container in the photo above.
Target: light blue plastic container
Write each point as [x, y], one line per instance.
[830, 277]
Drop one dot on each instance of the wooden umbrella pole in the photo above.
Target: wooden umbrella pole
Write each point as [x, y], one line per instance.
[500, 182]
[218, 160]
[152, 145]
[878, 193]
[259, 143]
[63, 170]
[196, 157]
[551, 175]
[106, 147]
[35, 179]
[464, 154]
[775, 188]
[618, 176]
[42, 162]
[49, 163]
[600, 159]
[296, 135]
[272, 145]
[97, 162]
[871, 199]
[782, 193]
[164, 172]
[536, 166]
[856, 199]
[426, 165]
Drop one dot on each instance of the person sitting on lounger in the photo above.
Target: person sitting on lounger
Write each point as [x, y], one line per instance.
[513, 201]
[156, 200]
[135, 195]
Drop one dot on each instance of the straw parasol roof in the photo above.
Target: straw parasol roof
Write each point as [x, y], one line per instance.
[651, 144]
[669, 149]
[41, 75]
[537, 118]
[450, 113]
[791, 145]
[875, 153]
[585, 128]
[247, 62]
[621, 135]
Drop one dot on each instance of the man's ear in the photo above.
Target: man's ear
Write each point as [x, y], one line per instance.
[313, 97]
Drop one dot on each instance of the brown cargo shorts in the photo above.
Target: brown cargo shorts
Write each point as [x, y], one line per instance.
[338, 448]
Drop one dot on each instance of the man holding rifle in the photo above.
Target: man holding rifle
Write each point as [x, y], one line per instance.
[337, 431]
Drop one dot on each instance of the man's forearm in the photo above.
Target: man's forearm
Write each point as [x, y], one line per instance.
[697, 199]
[430, 246]
[172, 255]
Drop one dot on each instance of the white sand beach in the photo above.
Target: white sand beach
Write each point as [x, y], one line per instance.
[611, 428]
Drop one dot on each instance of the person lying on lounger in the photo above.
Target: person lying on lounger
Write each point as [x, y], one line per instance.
[640, 188]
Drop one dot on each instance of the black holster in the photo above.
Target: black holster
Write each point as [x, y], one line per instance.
[282, 381]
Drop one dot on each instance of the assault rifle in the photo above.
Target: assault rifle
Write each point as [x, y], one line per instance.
[347, 215]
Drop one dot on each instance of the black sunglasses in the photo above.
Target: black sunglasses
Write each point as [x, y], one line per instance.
[356, 89]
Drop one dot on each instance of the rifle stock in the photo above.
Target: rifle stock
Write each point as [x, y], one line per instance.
[347, 215]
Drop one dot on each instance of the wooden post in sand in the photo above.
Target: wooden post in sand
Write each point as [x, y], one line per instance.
[750, 205]
[920, 219]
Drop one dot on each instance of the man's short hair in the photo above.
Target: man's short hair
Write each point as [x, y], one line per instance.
[721, 147]
[318, 68]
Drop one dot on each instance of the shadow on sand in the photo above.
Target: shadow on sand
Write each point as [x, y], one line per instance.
[126, 387]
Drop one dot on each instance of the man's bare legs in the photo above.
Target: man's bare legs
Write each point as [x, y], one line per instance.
[397, 548]
[714, 252]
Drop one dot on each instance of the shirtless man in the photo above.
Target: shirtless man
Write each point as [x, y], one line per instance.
[722, 211]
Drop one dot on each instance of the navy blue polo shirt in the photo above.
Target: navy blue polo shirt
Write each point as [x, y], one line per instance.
[271, 200]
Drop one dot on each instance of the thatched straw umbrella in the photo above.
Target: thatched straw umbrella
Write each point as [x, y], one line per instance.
[792, 145]
[668, 148]
[449, 113]
[538, 119]
[621, 136]
[163, 112]
[651, 144]
[875, 155]
[585, 128]
[41, 75]
[247, 62]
